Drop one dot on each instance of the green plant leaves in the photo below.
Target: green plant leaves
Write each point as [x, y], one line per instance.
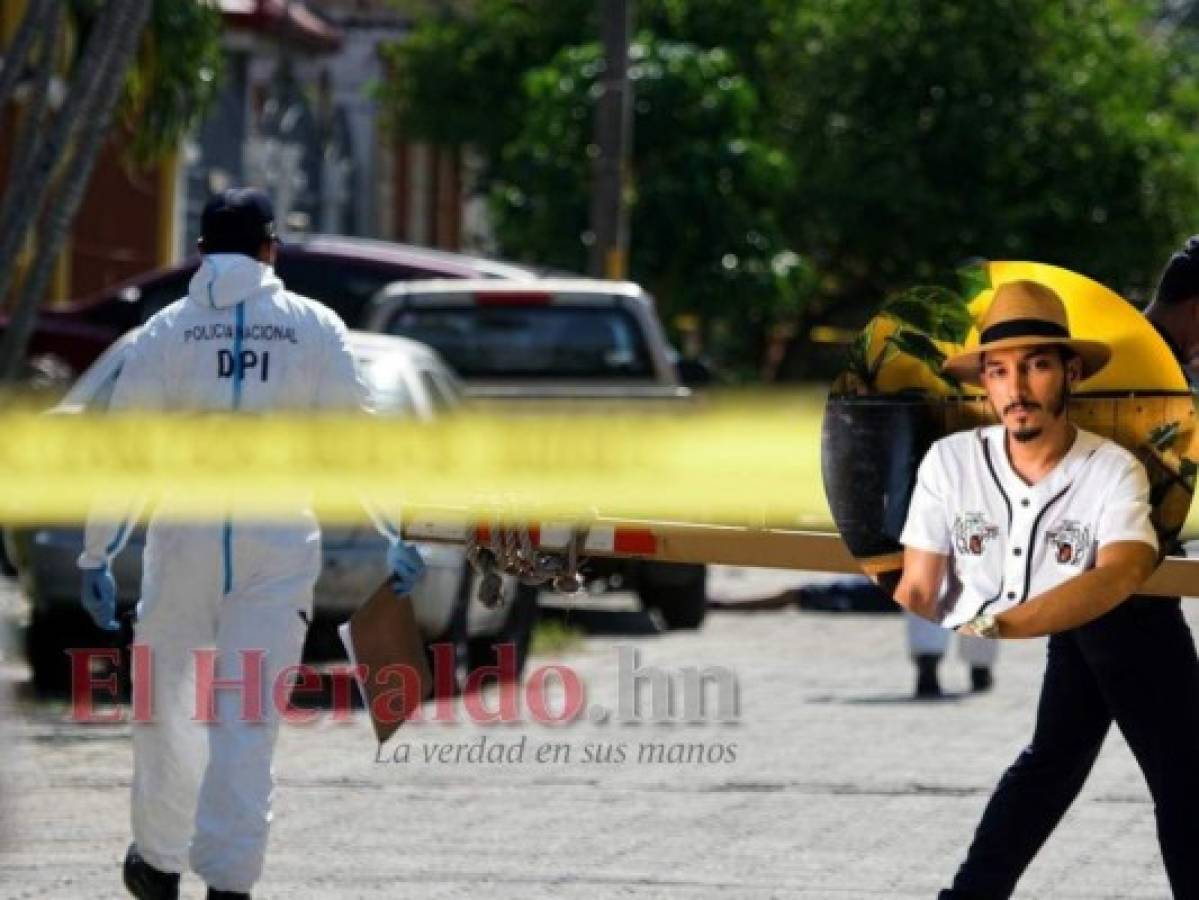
[938, 312]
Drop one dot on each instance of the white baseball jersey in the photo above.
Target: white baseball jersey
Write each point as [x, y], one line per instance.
[1010, 541]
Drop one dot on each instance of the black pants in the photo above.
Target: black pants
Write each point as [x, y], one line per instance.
[1137, 666]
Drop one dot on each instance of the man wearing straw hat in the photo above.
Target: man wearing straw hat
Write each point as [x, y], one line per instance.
[1041, 528]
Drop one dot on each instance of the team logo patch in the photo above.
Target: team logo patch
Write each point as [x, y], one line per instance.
[971, 531]
[1070, 541]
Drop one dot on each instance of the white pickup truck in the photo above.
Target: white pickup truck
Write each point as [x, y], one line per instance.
[559, 342]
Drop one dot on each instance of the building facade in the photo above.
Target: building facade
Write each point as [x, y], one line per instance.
[295, 115]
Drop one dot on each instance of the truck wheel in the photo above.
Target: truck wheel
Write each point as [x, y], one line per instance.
[47, 640]
[322, 643]
[456, 637]
[6, 564]
[680, 605]
[679, 594]
[517, 630]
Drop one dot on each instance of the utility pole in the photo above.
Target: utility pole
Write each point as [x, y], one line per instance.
[613, 139]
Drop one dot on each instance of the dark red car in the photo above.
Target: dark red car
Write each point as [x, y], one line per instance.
[342, 272]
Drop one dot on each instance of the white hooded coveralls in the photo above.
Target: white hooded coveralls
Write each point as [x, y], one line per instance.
[237, 342]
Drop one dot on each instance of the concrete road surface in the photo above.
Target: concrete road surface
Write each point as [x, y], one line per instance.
[812, 776]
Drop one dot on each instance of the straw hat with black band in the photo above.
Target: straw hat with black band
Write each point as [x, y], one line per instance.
[1025, 314]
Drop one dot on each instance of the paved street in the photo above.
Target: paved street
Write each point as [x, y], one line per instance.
[832, 783]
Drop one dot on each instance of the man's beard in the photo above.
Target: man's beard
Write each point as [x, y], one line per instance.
[1056, 410]
[1026, 434]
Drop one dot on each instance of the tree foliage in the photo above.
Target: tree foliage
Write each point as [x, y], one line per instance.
[895, 137]
[153, 59]
[701, 190]
[175, 79]
[932, 130]
[456, 78]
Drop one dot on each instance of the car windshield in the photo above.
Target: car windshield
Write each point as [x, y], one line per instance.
[530, 341]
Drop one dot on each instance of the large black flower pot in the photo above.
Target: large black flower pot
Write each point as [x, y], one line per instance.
[870, 450]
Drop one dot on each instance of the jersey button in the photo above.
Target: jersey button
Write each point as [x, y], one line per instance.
[1016, 551]
[1011, 595]
[1024, 502]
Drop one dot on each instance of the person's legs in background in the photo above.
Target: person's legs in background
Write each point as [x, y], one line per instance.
[927, 643]
[979, 654]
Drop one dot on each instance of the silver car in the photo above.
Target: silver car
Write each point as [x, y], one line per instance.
[405, 378]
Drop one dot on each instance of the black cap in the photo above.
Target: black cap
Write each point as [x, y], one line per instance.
[239, 220]
[1180, 277]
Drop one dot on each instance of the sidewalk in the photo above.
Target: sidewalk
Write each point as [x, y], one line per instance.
[841, 787]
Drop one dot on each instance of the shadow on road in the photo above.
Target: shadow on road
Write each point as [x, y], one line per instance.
[889, 699]
[621, 622]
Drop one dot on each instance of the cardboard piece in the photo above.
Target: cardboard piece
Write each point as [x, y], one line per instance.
[388, 655]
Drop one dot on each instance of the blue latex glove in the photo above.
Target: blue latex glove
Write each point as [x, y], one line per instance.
[99, 597]
[406, 567]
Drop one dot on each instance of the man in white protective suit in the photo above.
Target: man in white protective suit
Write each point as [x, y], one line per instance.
[239, 342]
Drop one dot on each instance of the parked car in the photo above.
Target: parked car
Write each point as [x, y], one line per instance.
[405, 378]
[344, 273]
[564, 342]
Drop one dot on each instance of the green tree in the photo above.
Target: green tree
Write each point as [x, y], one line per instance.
[154, 63]
[175, 78]
[456, 77]
[916, 133]
[746, 31]
[931, 130]
[702, 194]
[705, 183]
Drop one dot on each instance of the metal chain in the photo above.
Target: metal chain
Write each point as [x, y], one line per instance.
[509, 550]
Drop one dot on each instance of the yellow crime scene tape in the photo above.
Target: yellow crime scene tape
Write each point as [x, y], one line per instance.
[745, 462]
